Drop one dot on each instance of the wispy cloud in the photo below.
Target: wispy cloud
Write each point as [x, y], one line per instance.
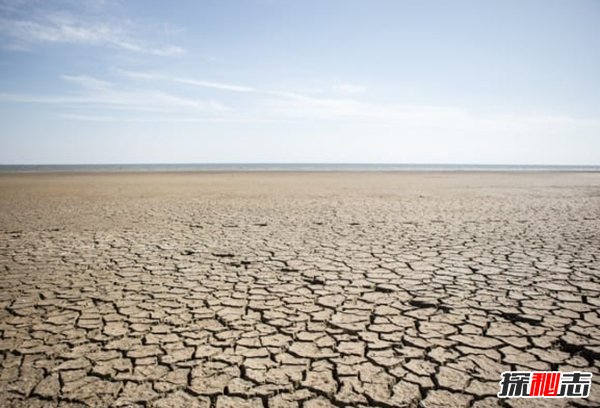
[350, 88]
[215, 85]
[268, 105]
[422, 116]
[165, 119]
[99, 93]
[86, 81]
[23, 31]
[134, 100]
[189, 81]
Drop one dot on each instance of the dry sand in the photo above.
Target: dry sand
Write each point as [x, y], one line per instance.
[290, 290]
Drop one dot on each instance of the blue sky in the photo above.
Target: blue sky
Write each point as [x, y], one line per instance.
[107, 81]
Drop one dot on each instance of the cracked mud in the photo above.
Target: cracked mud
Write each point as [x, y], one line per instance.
[295, 290]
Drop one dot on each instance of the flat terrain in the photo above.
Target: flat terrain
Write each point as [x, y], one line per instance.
[295, 289]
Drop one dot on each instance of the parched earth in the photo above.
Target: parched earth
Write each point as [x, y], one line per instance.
[295, 290]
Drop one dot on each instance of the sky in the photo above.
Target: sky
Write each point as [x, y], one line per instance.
[311, 81]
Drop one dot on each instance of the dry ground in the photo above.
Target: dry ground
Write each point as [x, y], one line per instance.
[289, 290]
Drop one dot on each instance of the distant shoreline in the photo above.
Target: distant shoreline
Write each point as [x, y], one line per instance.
[290, 167]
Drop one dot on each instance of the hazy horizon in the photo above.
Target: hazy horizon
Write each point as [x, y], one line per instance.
[277, 81]
[291, 165]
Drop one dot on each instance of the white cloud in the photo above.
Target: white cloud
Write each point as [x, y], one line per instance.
[189, 81]
[424, 116]
[164, 119]
[134, 100]
[99, 93]
[265, 105]
[87, 81]
[350, 88]
[22, 33]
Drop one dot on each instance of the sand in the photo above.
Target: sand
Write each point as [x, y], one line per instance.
[294, 289]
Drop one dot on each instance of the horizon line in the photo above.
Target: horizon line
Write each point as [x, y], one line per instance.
[296, 163]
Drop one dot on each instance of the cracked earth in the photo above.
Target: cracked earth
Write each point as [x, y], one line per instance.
[295, 290]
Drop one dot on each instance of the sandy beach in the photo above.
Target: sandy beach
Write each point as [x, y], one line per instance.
[295, 289]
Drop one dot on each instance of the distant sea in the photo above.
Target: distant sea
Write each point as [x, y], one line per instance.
[241, 167]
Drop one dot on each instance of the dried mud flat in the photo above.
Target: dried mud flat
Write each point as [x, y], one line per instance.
[295, 290]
